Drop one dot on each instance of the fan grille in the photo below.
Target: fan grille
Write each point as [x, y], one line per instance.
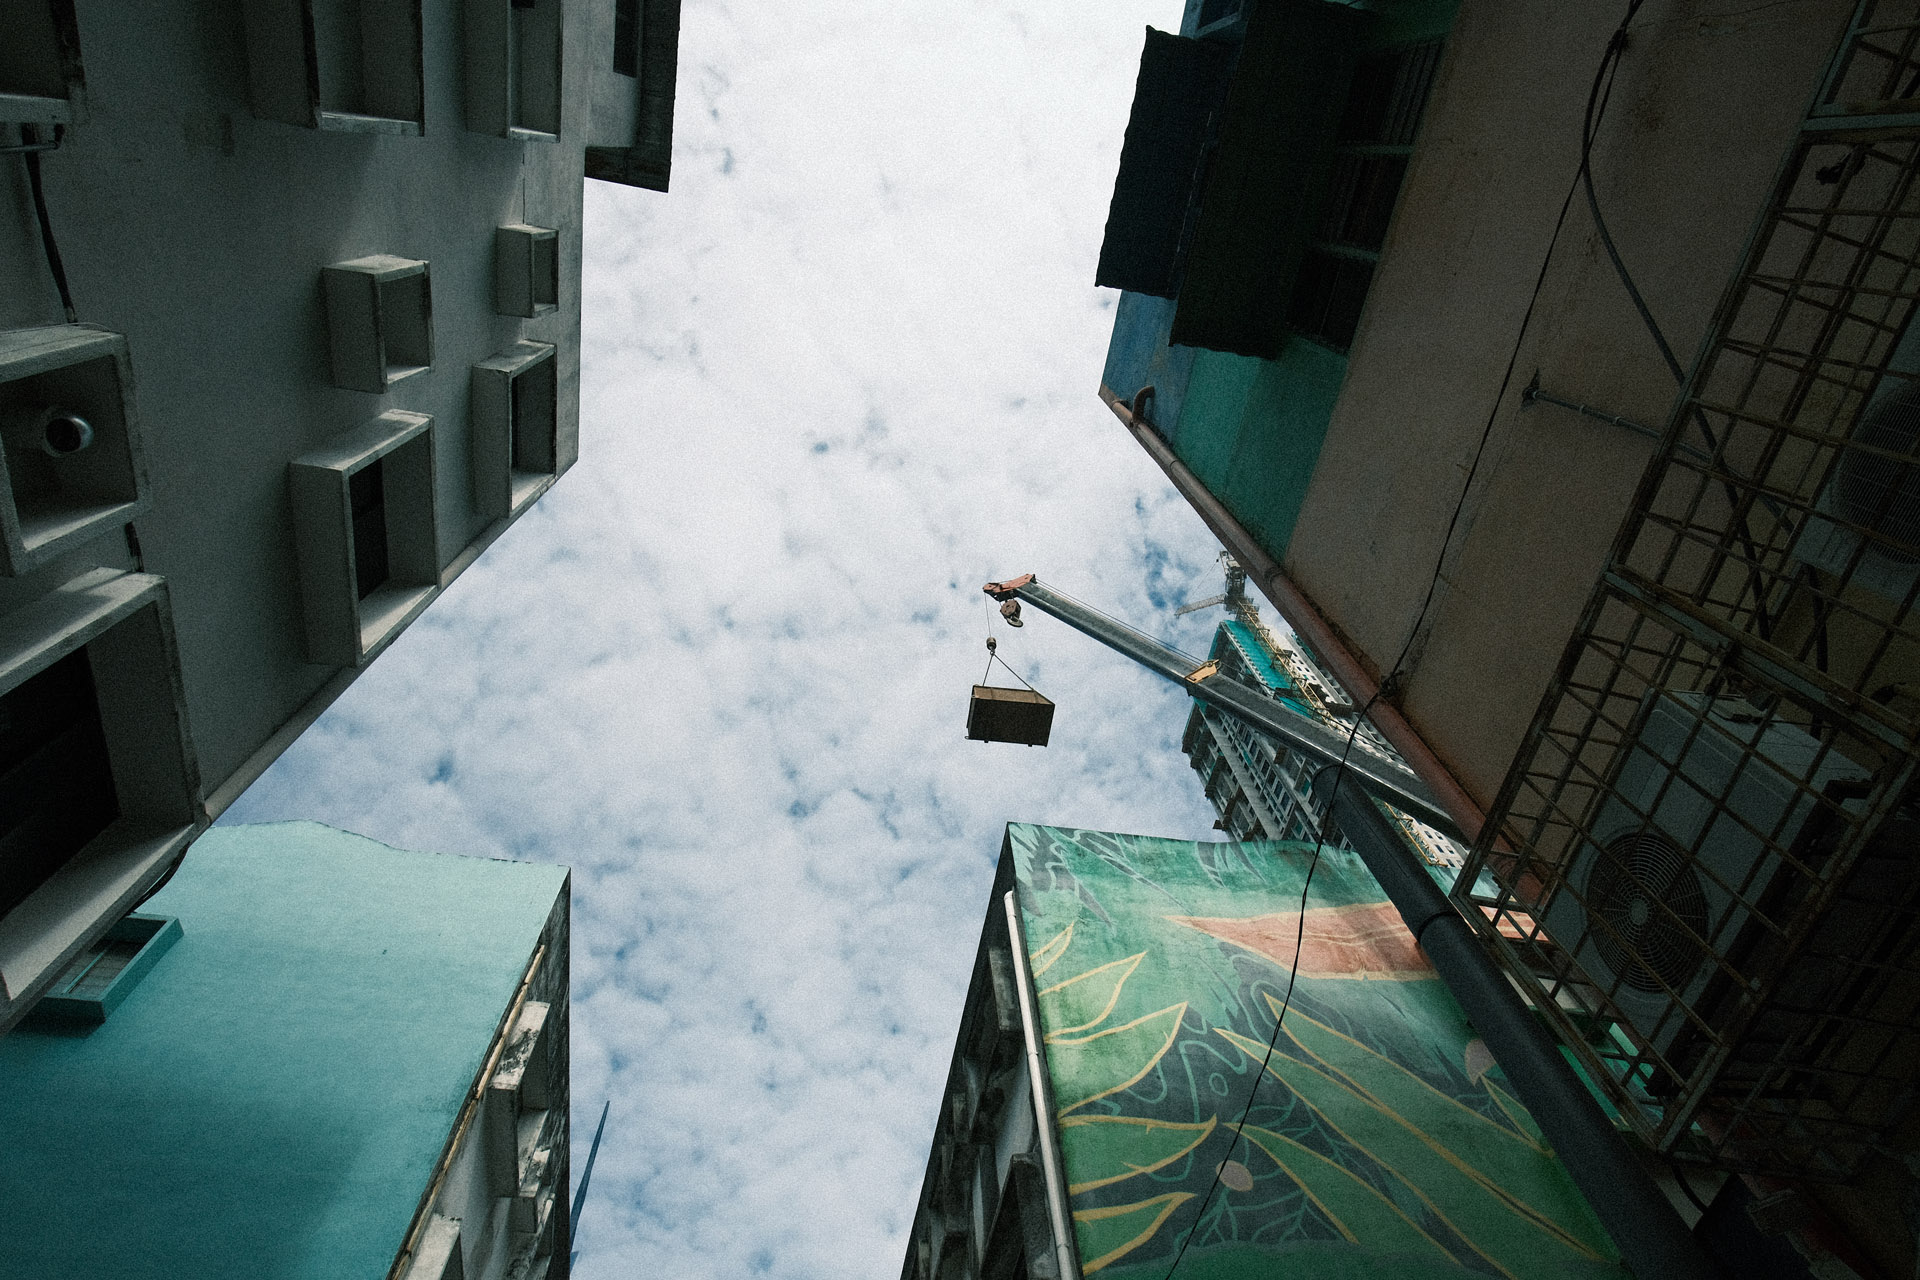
[1644, 890]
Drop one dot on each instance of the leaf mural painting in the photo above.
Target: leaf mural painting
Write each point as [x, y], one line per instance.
[1106, 1149]
[1364, 940]
[1513, 1165]
[1106, 1235]
[1092, 1066]
[1378, 1144]
[1055, 947]
[1356, 1210]
[1083, 1001]
[1494, 1224]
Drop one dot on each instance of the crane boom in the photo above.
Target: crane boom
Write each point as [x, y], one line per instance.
[1394, 783]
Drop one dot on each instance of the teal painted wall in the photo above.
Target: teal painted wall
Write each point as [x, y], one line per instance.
[1251, 430]
[270, 1100]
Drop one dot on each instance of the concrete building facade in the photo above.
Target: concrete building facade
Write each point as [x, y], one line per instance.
[309, 1055]
[1551, 373]
[289, 334]
[1114, 1107]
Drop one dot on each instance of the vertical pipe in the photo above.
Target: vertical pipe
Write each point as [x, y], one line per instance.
[1063, 1242]
[1653, 1241]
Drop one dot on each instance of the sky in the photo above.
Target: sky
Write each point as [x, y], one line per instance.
[842, 374]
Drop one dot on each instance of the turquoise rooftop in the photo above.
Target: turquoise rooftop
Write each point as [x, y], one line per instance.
[271, 1099]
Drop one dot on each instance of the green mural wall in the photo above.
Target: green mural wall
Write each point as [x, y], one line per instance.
[1383, 1139]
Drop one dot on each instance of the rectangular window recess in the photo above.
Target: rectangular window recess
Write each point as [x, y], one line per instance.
[626, 37]
[379, 321]
[365, 533]
[56, 784]
[96, 981]
[526, 270]
[70, 448]
[516, 1108]
[513, 68]
[515, 407]
[350, 65]
[40, 76]
[99, 790]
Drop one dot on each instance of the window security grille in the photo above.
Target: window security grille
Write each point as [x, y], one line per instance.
[1700, 865]
[1370, 161]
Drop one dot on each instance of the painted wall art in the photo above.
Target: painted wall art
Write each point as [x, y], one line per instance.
[1382, 1139]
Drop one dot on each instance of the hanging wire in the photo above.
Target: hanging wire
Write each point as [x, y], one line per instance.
[1596, 110]
[1293, 974]
[993, 657]
[993, 652]
[31, 145]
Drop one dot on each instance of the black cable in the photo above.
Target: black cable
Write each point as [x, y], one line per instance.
[1604, 92]
[1293, 975]
[47, 242]
[161, 883]
[1609, 62]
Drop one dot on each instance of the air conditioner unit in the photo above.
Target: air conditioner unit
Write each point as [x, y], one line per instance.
[1875, 486]
[1678, 832]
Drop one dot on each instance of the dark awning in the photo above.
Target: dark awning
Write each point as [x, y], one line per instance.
[1183, 82]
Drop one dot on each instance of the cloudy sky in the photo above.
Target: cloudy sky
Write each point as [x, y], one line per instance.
[844, 373]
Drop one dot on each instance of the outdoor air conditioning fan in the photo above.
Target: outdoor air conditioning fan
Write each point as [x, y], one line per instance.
[1673, 861]
[1875, 486]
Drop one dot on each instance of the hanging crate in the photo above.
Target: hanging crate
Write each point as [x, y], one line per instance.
[1009, 715]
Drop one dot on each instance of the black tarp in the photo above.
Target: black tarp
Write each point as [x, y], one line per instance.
[1182, 84]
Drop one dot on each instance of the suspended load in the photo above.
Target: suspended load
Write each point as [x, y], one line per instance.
[1009, 715]
[996, 714]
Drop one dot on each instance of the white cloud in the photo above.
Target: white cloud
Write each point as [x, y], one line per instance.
[844, 373]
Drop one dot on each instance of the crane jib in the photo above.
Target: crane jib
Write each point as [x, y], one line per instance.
[1382, 778]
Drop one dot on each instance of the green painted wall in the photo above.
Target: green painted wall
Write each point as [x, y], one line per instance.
[1383, 1140]
[269, 1102]
[1251, 430]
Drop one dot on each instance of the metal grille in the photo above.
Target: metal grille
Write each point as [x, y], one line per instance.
[1704, 863]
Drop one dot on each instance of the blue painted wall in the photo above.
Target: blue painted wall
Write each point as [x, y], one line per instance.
[270, 1100]
[1251, 430]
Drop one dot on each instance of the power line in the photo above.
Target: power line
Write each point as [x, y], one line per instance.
[1596, 109]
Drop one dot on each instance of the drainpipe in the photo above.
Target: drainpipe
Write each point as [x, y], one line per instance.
[1052, 1168]
[1653, 1240]
[1300, 614]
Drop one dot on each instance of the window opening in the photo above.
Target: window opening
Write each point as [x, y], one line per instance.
[366, 489]
[536, 65]
[56, 783]
[1371, 151]
[626, 37]
[405, 324]
[533, 419]
[30, 63]
[366, 60]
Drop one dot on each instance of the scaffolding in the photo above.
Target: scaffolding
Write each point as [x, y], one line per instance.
[1703, 866]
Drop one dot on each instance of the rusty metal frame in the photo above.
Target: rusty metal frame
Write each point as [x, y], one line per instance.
[1747, 672]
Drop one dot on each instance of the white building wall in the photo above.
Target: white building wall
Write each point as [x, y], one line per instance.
[200, 230]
